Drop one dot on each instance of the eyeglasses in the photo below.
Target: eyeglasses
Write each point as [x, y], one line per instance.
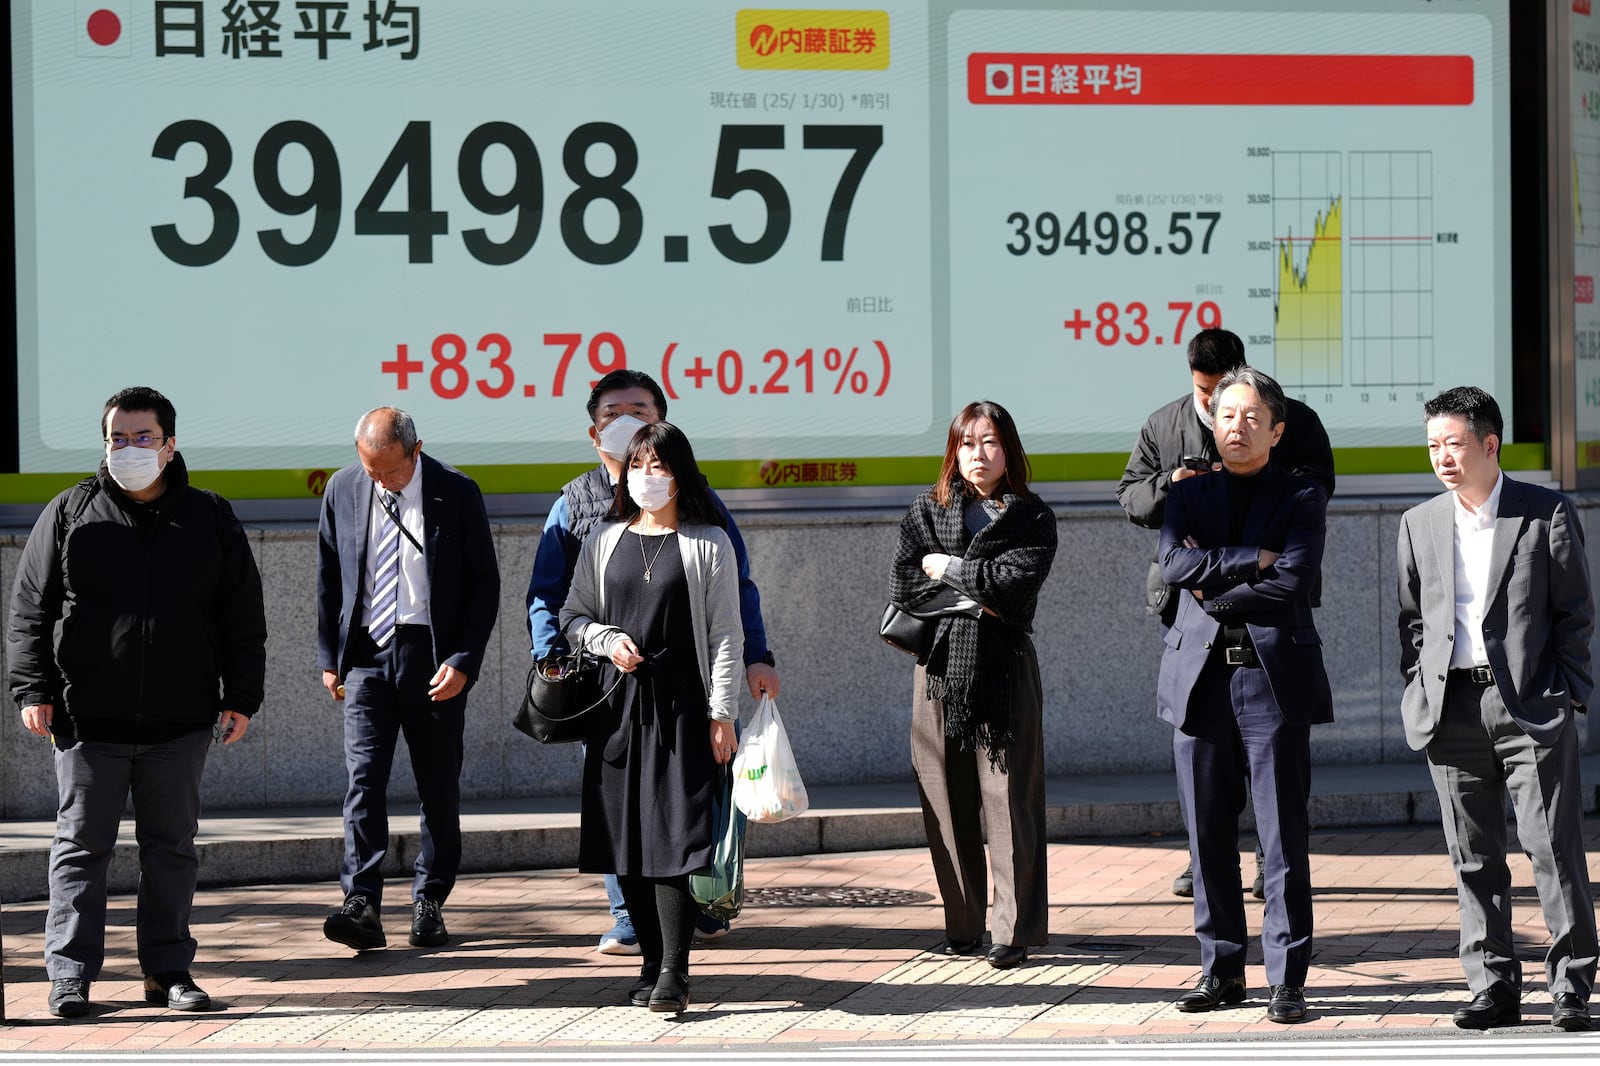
[143, 440]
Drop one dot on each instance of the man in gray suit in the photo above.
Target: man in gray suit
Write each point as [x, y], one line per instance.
[1495, 618]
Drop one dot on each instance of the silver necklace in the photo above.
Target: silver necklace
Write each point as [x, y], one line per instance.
[650, 561]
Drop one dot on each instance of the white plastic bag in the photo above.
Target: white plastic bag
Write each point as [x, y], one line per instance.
[766, 782]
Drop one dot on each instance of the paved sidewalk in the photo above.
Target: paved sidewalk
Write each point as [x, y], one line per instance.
[832, 950]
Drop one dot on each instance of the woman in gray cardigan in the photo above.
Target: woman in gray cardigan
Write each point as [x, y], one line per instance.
[656, 592]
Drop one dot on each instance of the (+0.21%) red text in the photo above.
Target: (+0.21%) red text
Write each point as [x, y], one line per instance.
[456, 366]
[1134, 323]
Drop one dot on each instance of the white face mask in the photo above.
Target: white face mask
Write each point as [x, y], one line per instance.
[618, 434]
[650, 491]
[133, 468]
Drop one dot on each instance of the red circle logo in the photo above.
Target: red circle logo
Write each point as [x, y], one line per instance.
[317, 482]
[771, 472]
[999, 80]
[104, 27]
[763, 40]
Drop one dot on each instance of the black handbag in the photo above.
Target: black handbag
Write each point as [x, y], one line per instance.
[902, 629]
[912, 629]
[560, 693]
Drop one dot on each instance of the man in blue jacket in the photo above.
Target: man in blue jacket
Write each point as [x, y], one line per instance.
[619, 404]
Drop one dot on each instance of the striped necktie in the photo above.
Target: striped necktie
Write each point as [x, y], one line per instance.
[386, 589]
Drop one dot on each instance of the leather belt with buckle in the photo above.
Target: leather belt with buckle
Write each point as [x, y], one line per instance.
[1477, 675]
[1239, 656]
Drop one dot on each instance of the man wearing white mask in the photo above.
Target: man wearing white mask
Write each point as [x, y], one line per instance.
[162, 646]
[621, 403]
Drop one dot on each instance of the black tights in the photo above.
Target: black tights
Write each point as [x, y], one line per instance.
[663, 913]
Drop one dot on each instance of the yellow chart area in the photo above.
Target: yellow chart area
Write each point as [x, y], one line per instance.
[1308, 338]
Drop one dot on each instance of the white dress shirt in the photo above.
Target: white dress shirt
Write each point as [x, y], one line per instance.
[413, 593]
[1474, 544]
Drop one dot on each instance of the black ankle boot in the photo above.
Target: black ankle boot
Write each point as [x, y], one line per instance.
[639, 991]
[671, 994]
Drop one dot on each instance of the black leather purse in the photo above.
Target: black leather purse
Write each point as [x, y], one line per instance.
[912, 629]
[561, 692]
[900, 628]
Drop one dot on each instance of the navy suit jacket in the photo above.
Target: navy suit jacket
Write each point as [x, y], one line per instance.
[1288, 516]
[463, 577]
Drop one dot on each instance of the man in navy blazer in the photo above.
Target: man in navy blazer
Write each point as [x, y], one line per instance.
[407, 594]
[1496, 613]
[1241, 683]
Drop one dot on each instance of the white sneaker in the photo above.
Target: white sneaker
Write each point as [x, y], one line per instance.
[614, 943]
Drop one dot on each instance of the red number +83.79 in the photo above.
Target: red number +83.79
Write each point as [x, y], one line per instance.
[450, 378]
[1109, 327]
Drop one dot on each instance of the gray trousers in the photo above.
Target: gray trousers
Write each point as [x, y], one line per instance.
[94, 781]
[964, 799]
[1479, 754]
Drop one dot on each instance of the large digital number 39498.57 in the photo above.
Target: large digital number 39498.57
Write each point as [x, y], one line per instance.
[420, 223]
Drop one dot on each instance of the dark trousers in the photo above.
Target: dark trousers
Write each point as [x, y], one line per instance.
[386, 694]
[965, 799]
[1477, 756]
[1232, 737]
[93, 782]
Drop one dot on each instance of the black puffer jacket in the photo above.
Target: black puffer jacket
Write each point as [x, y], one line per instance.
[160, 608]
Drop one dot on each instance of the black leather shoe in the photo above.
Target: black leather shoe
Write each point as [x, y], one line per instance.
[671, 994]
[427, 924]
[69, 997]
[1007, 956]
[1183, 884]
[1211, 993]
[1288, 1004]
[1569, 1012]
[1497, 1005]
[1258, 888]
[176, 990]
[962, 947]
[355, 925]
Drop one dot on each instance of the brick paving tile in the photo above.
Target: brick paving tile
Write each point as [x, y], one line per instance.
[853, 963]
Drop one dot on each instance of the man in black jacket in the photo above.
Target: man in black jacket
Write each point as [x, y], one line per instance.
[163, 642]
[1177, 443]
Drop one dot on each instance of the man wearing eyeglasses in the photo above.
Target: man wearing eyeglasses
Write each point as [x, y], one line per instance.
[162, 645]
[407, 594]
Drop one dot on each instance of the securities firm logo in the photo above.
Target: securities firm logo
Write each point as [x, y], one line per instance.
[774, 39]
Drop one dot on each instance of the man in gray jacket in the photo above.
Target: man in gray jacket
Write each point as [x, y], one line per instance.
[1495, 618]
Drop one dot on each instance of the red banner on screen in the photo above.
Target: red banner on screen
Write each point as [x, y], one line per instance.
[1580, 7]
[1078, 78]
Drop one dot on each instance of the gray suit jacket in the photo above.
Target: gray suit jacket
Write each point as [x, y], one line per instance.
[1536, 622]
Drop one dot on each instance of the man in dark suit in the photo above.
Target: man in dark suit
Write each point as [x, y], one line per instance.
[1179, 433]
[1242, 682]
[407, 595]
[1495, 618]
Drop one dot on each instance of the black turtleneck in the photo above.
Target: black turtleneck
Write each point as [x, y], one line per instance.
[1241, 494]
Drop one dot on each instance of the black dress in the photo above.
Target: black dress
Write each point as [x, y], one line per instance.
[648, 770]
